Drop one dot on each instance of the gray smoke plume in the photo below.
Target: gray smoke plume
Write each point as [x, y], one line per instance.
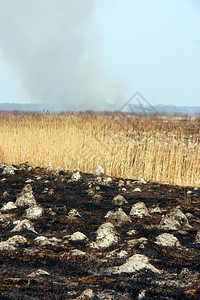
[44, 40]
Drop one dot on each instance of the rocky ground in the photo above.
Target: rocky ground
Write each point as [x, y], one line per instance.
[71, 235]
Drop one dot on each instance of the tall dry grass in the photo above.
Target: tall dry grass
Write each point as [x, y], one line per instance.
[157, 149]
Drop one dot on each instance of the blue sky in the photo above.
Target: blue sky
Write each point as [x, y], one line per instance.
[130, 45]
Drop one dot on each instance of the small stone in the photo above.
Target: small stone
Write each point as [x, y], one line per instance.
[39, 273]
[139, 210]
[121, 183]
[87, 294]
[124, 189]
[189, 192]
[78, 237]
[42, 240]
[141, 295]
[23, 225]
[17, 240]
[119, 200]
[34, 212]
[137, 190]
[97, 199]
[26, 197]
[106, 236]
[77, 252]
[5, 194]
[51, 191]
[118, 218]
[107, 180]
[99, 171]
[175, 220]
[9, 170]
[29, 180]
[49, 167]
[141, 242]
[189, 216]
[76, 176]
[184, 271]
[131, 232]
[197, 238]
[135, 263]
[155, 210]
[8, 207]
[73, 213]
[167, 240]
[12, 243]
[142, 181]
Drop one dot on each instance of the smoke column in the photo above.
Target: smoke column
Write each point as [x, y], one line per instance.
[44, 41]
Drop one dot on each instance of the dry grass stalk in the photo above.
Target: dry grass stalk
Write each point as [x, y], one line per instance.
[158, 149]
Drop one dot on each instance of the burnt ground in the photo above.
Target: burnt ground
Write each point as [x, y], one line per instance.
[70, 273]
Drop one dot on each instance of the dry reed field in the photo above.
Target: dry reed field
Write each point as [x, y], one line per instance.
[158, 149]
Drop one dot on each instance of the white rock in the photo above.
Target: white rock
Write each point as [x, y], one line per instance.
[51, 191]
[76, 176]
[5, 246]
[57, 170]
[141, 242]
[77, 252]
[118, 218]
[137, 190]
[131, 232]
[139, 210]
[189, 216]
[17, 240]
[73, 213]
[107, 180]
[175, 220]
[167, 240]
[34, 212]
[5, 194]
[49, 167]
[12, 243]
[42, 240]
[142, 181]
[78, 237]
[197, 238]
[116, 254]
[23, 225]
[119, 200]
[99, 171]
[29, 180]
[155, 209]
[135, 263]
[39, 273]
[8, 206]
[141, 295]
[26, 197]
[87, 294]
[121, 183]
[106, 236]
[9, 170]
[189, 192]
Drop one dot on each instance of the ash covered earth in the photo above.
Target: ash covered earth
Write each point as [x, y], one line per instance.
[72, 235]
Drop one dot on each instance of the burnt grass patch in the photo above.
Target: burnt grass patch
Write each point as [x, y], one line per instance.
[70, 272]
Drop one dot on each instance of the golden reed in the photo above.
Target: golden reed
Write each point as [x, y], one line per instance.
[161, 149]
